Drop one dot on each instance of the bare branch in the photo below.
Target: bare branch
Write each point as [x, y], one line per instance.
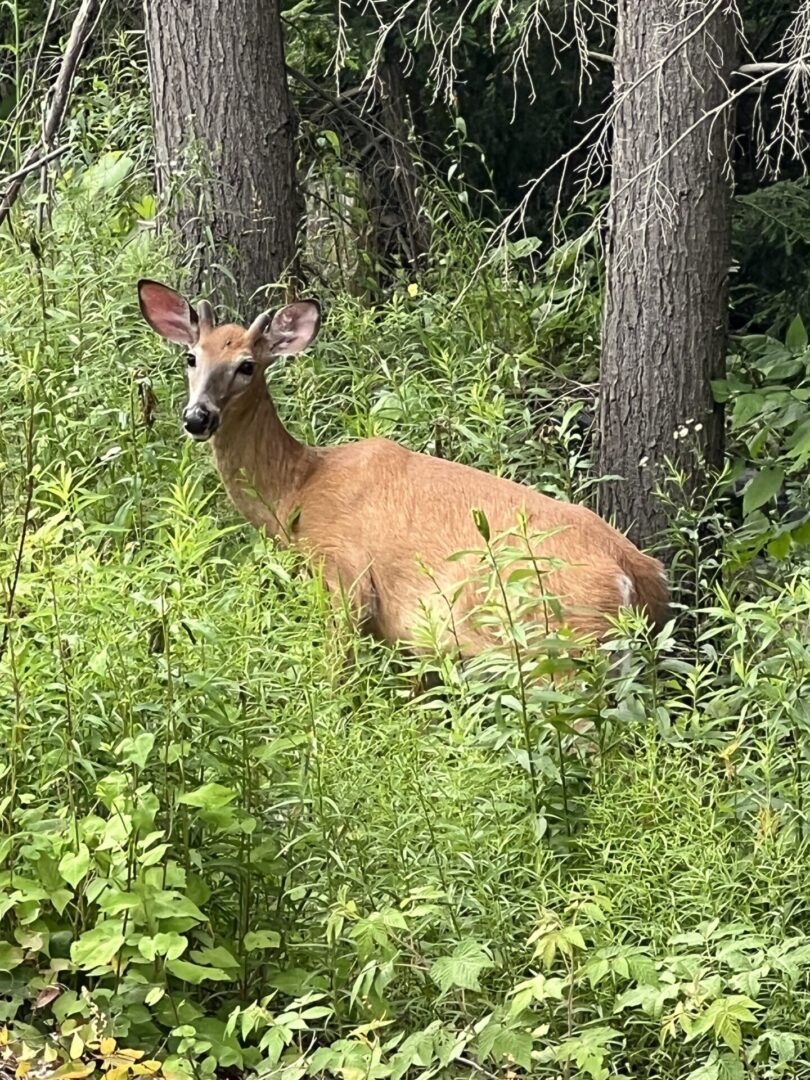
[34, 164]
[758, 69]
[438, 28]
[22, 104]
[79, 36]
[789, 138]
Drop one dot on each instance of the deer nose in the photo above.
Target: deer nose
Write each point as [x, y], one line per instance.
[199, 421]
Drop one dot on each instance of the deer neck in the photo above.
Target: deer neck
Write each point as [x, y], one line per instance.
[261, 465]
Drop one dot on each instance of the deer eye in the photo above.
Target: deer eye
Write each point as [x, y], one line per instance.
[191, 359]
[246, 367]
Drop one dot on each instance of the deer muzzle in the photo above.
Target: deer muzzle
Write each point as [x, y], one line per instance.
[200, 421]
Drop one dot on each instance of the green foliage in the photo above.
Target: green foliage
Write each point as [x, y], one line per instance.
[767, 395]
[235, 838]
[771, 247]
[236, 850]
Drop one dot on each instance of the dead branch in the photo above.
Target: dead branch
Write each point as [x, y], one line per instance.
[758, 69]
[796, 67]
[79, 36]
[438, 29]
[22, 105]
[743, 69]
[35, 164]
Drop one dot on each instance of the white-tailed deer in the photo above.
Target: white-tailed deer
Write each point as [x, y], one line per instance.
[381, 520]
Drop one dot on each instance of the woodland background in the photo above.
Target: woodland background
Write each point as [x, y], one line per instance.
[223, 851]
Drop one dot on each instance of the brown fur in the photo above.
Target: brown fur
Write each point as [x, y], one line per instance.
[371, 513]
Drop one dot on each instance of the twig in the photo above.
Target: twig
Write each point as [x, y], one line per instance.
[32, 166]
[758, 75]
[22, 105]
[710, 114]
[79, 36]
[758, 69]
[470, 1064]
[743, 69]
[14, 581]
[340, 104]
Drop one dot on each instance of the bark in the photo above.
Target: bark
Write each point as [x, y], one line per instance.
[225, 136]
[668, 256]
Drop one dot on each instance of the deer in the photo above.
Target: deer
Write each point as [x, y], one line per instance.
[383, 523]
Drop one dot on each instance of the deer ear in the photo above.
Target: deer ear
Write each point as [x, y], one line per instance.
[294, 327]
[168, 313]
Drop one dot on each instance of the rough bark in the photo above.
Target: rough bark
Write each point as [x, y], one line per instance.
[225, 136]
[668, 258]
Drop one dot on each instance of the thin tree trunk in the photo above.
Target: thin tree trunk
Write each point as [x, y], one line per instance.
[412, 236]
[224, 135]
[666, 310]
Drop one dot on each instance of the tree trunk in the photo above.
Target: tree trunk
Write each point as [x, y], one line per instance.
[411, 238]
[224, 136]
[668, 257]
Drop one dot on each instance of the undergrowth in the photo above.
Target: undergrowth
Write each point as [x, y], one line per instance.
[234, 837]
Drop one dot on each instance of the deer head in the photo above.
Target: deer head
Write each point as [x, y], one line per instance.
[225, 364]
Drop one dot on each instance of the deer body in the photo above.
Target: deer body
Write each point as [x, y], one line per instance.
[381, 520]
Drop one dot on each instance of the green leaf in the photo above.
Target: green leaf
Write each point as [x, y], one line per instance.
[73, 866]
[762, 488]
[215, 957]
[107, 173]
[573, 936]
[779, 547]
[60, 898]
[709, 1070]
[746, 407]
[195, 973]
[462, 968]
[538, 988]
[527, 245]
[728, 1029]
[649, 999]
[154, 855]
[725, 1017]
[168, 904]
[261, 939]
[417, 1049]
[515, 1046]
[10, 956]
[799, 442]
[642, 969]
[331, 137]
[481, 523]
[720, 390]
[273, 1044]
[137, 749]
[801, 533]
[780, 370]
[498, 1041]
[796, 337]
[209, 797]
[170, 945]
[97, 947]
